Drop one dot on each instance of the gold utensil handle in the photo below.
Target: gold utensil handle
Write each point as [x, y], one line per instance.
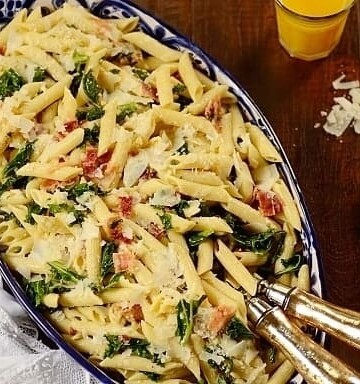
[339, 322]
[312, 361]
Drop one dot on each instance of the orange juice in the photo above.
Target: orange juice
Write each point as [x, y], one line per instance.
[310, 29]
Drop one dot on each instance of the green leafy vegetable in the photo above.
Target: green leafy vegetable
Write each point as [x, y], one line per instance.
[92, 113]
[115, 345]
[236, 330]
[142, 74]
[10, 82]
[196, 238]
[79, 59]
[178, 88]
[139, 347]
[36, 290]
[185, 318]
[166, 220]
[267, 243]
[79, 189]
[19, 160]
[107, 262]
[91, 135]
[291, 265]
[124, 111]
[33, 208]
[152, 375]
[13, 182]
[91, 88]
[62, 274]
[113, 282]
[57, 208]
[222, 368]
[179, 208]
[39, 74]
[183, 150]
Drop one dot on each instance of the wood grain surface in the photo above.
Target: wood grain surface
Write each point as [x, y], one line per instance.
[241, 35]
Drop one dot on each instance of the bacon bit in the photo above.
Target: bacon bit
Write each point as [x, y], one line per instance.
[92, 161]
[72, 331]
[125, 205]
[124, 260]
[148, 174]
[105, 158]
[137, 313]
[155, 230]
[71, 125]
[269, 202]
[149, 91]
[116, 233]
[214, 110]
[89, 165]
[220, 317]
[2, 50]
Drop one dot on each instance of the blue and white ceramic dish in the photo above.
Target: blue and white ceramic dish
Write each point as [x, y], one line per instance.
[165, 34]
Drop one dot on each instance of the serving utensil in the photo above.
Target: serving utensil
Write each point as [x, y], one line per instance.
[313, 362]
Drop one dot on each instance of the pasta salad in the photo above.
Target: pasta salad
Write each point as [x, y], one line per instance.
[135, 201]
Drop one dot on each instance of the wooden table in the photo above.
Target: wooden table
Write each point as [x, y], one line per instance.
[242, 36]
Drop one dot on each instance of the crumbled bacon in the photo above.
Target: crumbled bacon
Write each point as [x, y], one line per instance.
[89, 165]
[220, 317]
[92, 161]
[117, 234]
[155, 230]
[137, 313]
[214, 110]
[149, 91]
[72, 331]
[71, 125]
[124, 260]
[125, 205]
[269, 202]
[2, 50]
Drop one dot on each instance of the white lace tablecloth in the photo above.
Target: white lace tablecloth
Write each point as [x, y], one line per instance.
[26, 360]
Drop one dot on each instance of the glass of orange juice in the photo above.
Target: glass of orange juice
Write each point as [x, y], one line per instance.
[311, 29]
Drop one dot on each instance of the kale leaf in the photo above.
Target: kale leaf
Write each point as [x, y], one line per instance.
[19, 160]
[115, 345]
[79, 189]
[141, 73]
[292, 265]
[33, 208]
[92, 113]
[39, 74]
[62, 274]
[124, 111]
[36, 290]
[195, 238]
[166, 220]
[107, 262]
[10, 82]
[91, 88]
[237, 331]
[185, 318]
[179, 208]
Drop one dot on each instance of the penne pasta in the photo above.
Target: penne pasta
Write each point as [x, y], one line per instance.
[132, 200]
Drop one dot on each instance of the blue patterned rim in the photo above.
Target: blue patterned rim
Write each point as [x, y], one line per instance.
[167, 35]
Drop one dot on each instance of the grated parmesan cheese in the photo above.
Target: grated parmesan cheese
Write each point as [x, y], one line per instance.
[346, 109]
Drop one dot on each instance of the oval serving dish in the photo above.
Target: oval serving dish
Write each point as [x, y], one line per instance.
[166, 35]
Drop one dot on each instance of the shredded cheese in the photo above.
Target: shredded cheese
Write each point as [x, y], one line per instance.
[346, 109]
